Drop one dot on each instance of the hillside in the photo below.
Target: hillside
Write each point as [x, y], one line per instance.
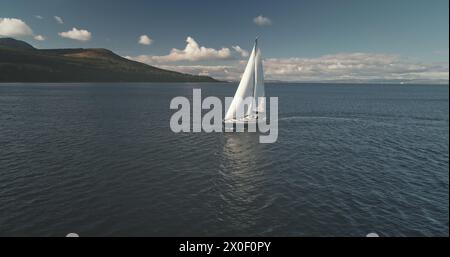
[21, 62]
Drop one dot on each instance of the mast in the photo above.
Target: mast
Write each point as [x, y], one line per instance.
[255, 75]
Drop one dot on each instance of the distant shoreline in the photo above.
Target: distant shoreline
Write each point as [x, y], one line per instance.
[21, 62]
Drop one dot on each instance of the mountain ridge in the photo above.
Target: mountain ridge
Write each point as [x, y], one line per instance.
[21, 62]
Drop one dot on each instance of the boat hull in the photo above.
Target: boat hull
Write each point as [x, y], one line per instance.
[232, 124]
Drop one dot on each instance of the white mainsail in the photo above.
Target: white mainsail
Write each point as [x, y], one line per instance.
[259, 85]
[252, 84]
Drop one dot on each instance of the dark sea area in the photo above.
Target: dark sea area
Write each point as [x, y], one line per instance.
[101, 160]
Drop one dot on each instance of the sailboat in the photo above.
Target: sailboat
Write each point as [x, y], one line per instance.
[251, 85]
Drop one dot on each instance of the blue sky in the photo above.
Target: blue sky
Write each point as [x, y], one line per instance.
[414, 32]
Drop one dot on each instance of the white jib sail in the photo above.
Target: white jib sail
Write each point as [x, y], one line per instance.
[244, 89]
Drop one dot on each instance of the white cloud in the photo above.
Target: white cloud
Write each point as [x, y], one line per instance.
[343, 67]
[145, 40]
[12, 27]
[77, 34]
[39, 38]
[349, 67]
[262, 21]
[241, 51]
[192, 52]
[38, 17]
[59, 19]
[353, 67]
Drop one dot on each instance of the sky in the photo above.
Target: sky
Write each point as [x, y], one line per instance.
[301, 40]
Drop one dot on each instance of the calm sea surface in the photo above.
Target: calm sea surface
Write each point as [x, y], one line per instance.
[101, 160]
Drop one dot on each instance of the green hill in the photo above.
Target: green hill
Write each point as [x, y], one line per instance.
[21, 62]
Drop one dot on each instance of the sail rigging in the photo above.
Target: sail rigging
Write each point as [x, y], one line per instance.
[251, 85]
